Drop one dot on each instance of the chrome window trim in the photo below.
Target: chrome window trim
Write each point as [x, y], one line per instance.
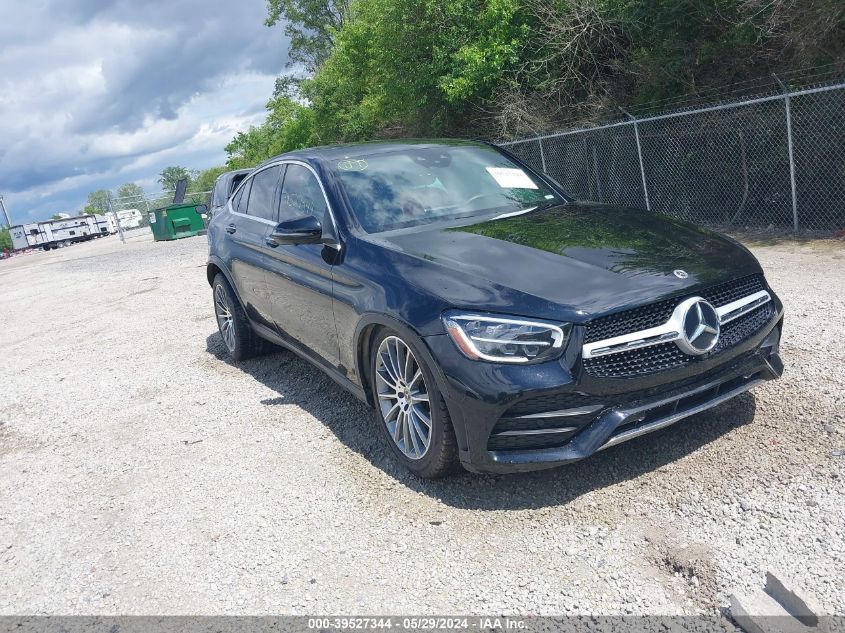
[243, 184]
[671, 330]
[279, 163]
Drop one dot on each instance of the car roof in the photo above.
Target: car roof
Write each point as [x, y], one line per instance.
[335, 152]
[228, 175]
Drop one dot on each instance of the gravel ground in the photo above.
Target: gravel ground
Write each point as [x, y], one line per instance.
[143, 473]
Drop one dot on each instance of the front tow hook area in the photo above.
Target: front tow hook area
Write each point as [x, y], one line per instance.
[775, 365]
[770, 352]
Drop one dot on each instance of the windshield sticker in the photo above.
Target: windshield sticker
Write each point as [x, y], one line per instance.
[510, 178]
[352, 165]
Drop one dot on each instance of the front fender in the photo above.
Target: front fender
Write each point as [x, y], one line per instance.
[366, 327]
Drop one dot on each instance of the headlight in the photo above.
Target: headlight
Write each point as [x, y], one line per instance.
[505, 339]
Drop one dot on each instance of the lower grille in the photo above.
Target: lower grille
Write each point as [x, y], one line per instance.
[668, 411]
[670, 398]
[549, 402]
[565, 400]
[521, 442]
[512, 433]
[667, 356]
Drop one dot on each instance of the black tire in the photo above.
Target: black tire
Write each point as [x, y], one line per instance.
[441, 456]
[243, 343]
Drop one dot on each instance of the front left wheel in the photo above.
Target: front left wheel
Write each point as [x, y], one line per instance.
[411, 411]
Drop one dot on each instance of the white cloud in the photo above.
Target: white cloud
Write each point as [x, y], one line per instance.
[94, 93]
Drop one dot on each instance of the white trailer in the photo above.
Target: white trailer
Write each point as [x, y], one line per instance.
[62, 232]
[19, 241]
[73, 229]
[105, 224]
[129, 218]
[33, 235]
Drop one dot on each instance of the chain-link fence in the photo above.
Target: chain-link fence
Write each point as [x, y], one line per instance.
[133, 212]
[774, 161]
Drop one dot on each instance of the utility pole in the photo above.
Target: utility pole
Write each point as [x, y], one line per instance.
[5, 213]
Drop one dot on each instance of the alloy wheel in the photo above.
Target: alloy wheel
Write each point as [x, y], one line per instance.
[224, 317]
[403, 397]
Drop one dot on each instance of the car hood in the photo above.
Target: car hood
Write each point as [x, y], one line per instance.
[585, 258]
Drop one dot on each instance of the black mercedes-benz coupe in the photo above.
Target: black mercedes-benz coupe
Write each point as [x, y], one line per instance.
[489, 319]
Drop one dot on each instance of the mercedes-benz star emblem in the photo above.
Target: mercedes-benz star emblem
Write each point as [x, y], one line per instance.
[700, 328]
[681, 274]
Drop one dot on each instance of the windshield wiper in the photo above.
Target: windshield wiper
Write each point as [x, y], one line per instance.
[538, 207]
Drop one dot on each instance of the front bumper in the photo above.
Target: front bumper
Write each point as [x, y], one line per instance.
[578, 416]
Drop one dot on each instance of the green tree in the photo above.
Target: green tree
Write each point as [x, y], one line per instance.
[130, 190]
[98, 202]
[171, 175]
[311, 26]
[249, 148]
[5, 239]
[130, 196]
[289, 126]
[498, 68]
[56, 216]
[205, 180]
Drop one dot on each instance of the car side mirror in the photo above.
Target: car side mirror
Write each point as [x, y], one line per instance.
[201, 208]
[304, 230]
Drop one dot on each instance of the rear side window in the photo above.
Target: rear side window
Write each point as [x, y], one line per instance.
[263, 193]
[236, 180]
[301, 194]
[240, 199]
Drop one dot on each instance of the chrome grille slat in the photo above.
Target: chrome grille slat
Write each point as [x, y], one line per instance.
[654, 314]
[651, 350]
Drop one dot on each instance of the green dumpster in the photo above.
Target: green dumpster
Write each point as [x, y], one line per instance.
[178, 220]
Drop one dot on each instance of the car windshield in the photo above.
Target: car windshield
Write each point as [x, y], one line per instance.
[410, 187]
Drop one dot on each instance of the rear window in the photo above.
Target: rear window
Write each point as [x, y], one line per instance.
[224, 187]
[236, 180]
[221, 192]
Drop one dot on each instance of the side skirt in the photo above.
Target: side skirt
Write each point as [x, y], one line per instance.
[268, 334]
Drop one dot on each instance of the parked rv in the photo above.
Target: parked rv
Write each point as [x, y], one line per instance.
[129, 218]
[63, 232]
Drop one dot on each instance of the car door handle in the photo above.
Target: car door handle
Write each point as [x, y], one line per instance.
[231, 228]
[269, 241]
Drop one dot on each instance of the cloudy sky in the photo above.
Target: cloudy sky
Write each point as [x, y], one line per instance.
[96, 93]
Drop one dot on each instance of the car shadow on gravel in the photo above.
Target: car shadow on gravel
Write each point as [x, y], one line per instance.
[353, 423]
